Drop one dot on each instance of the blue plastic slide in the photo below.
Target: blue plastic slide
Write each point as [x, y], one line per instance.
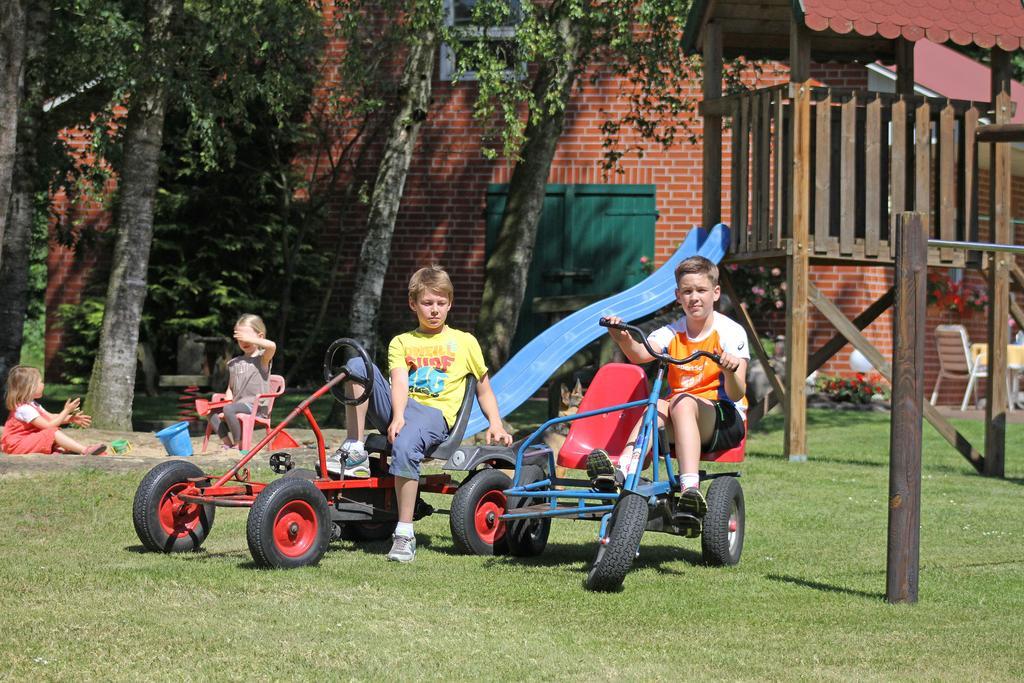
[526, 371]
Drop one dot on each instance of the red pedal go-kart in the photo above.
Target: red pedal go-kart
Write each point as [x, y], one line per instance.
[615, 401]
[293, 518]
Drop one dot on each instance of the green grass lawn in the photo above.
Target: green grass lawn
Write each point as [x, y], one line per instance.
[81, 600]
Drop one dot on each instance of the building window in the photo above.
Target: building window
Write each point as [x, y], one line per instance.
[459, 15]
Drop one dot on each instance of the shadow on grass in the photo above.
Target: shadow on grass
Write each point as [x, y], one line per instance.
[654, 557]
[817, 585]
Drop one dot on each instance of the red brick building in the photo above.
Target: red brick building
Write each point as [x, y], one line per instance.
[444, 211]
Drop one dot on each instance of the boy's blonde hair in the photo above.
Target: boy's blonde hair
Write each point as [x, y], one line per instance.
[430, 279]
[21, 384]
[253, 321]
[697, 265]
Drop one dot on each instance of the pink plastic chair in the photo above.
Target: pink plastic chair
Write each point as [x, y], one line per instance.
[249, 422]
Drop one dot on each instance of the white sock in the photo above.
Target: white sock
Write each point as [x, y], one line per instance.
[353, 444]
[404, 529]
[691, 480]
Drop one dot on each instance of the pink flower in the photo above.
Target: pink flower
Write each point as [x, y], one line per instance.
[779, 304]
[643, 260]
[776, 272]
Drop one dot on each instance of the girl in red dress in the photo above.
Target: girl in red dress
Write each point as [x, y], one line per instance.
[30, 428]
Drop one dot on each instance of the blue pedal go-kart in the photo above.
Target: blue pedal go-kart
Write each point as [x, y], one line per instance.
[646, 500]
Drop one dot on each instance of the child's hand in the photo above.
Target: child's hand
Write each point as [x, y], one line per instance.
[496, 434]
[71, 405]
[395, 427]
[81, 420]
[614, 333]
[729, 362]
[245, 336]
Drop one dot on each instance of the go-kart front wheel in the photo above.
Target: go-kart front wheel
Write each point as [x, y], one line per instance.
[618, 548]
[289, 525]
[163, 523]
[724, 524]
[475, 517]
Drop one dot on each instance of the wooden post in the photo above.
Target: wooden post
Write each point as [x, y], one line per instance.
[907, 406]
[798, 268]
[711, 212]
[998, 274]
[904, 67]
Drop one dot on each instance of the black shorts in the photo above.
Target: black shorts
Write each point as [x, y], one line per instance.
[729, 428]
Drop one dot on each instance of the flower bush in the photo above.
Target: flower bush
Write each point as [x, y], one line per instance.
[763, 291]
[857, 389]
[957, 297]
[646, 265]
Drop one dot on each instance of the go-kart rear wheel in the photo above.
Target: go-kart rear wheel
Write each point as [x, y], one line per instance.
[289, 525]
[618, 548]
[163, 523]
[724, 524]
[527, 537]
[475, 515]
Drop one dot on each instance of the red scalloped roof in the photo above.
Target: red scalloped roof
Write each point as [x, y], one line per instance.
[984, 23]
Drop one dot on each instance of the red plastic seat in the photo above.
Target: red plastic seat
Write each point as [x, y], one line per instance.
[614, 383]
[249, 422]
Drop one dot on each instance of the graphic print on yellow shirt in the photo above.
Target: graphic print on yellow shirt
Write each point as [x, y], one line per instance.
[438, 365]
[703, 377]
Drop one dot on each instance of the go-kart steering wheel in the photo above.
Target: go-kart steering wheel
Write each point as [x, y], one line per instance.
[336, 390]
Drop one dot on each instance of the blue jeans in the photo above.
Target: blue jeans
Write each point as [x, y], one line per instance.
[425, 427]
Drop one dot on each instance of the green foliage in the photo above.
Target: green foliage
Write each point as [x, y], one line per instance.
[762, 290]
[82, 324]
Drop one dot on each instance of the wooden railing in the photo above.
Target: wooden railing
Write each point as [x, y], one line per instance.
[872, 156]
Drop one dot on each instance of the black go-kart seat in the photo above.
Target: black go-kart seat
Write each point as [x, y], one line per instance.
[378, 443]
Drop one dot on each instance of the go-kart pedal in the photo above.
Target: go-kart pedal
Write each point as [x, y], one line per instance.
[686, 524]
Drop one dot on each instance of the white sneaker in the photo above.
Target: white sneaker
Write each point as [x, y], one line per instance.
[351, 457]
[403, 548]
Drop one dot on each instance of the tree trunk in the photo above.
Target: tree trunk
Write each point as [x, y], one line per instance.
[17, 239]
[375, 254]
[12, 72]
[509, 264]
[112, 385]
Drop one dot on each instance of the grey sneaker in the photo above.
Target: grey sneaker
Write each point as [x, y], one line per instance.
[403, 548]
[350, 457]
[691, 500]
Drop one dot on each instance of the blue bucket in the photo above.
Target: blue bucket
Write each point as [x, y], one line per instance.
[175, 439]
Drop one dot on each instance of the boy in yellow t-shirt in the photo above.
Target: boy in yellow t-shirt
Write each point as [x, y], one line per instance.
[428, 369]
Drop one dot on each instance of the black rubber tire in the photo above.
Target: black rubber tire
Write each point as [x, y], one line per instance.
[473, 516]
[368, 531]
[158, 525]
[527, 537]
[719, 545]
[618, 549]
[289, 525]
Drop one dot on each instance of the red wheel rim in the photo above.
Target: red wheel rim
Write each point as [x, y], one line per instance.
[177, 518]
[295, 528]
[486, 519]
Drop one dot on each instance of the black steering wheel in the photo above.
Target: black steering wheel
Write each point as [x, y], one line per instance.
[332, 378]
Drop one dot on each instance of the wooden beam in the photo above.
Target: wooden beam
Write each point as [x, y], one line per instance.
[711, 212]
[905, 433]
[1000, 132]
[798, 270]
[829, 349]
[861, 343]
[999, 272]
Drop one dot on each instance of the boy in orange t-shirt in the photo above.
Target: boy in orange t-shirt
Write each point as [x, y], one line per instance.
[706, 405]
